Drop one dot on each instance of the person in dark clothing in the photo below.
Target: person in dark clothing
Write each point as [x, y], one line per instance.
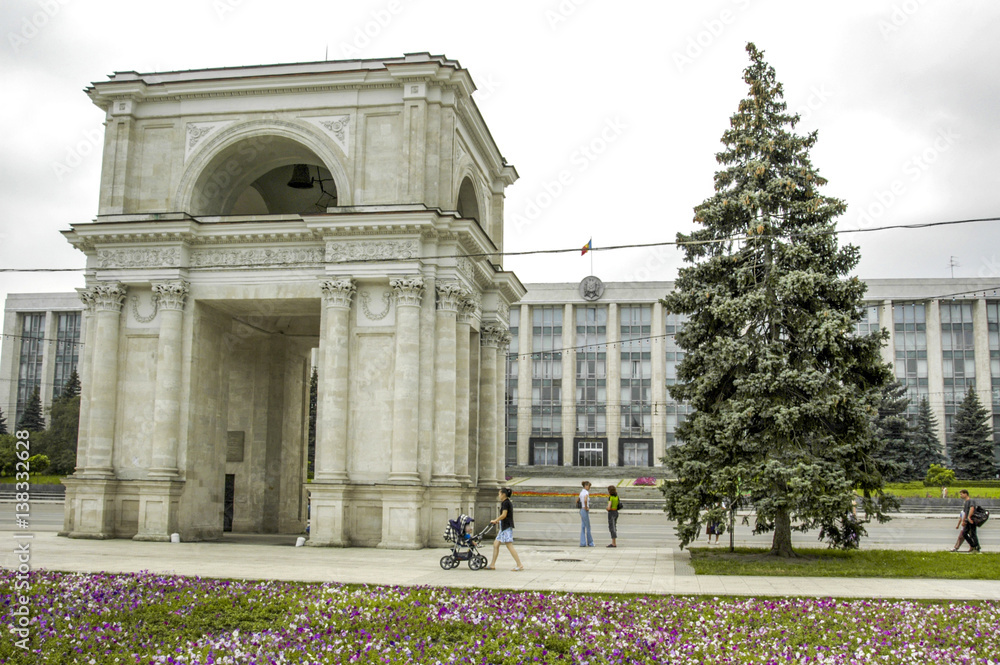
[970, 527]
[506, 529]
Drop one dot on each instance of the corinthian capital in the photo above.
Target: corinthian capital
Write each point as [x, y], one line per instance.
[449, 296]
[409, 290]
[338, 292]
[171, 295]
[108, 296]
[467, 309]
[494, 335]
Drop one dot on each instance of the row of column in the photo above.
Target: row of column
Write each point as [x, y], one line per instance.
[99, 377]
[455, 310]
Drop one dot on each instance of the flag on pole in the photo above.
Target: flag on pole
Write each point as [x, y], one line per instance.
[587, 247]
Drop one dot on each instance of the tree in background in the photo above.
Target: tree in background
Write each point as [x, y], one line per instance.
[971, 448]
[925, 444]
[32, 419]
[59, 442]
[893, 430]
[784, 392]
[3, 423]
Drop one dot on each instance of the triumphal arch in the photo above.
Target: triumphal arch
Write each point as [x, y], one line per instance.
[252, 219]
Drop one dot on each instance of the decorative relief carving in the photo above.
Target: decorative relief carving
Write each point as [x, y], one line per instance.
[139, 257]
[365, 298]
[338, 292]
[409, 290]
[383, 250]
[449, 296]
[196, 131]
[134, 301]
[465, 267]
[338, 127]
[256, 257]
[503, 311]
[171, 295]
[108, 297]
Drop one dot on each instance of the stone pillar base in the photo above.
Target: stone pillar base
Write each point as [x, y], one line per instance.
[89, 508]
[487, 507]
[327, 515]
[159, 505]
[402, 517]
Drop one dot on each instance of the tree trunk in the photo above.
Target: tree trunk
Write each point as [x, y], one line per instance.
[781, 544]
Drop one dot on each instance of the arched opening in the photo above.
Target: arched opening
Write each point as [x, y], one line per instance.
[255, 177]
[468, 204]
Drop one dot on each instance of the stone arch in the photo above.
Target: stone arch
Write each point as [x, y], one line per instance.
[250, 154]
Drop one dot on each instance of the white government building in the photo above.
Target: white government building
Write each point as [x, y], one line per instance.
[254, 221]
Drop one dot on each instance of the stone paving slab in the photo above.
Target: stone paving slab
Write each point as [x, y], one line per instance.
[661, 570]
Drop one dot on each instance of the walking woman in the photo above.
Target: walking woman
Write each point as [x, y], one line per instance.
[506, 530]
[613, 503]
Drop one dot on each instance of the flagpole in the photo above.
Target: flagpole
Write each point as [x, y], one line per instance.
[591, 257]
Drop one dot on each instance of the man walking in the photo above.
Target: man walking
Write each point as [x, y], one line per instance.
[586, 535]
[970, 527]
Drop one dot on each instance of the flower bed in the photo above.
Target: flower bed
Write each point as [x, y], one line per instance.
[103, 619]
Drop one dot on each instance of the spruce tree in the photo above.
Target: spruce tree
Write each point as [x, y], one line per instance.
[32, 419]
[893, 431]
[971, 448]
[925, 444]
[3, 423]
[784, 392]
[71, 387]
[313, 394]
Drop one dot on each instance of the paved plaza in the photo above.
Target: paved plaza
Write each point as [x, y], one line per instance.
[647, 570]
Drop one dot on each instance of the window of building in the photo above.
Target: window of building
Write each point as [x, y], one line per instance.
[957, 358]
[546, 371]
[910, 340]
[510, 396]
[674, 412]
[993, 323]
[29, 372]
[67, 349]
[591, 370]
[636, 370]
[590, 453]
[546, 452]
[868, 322]
[636, 453]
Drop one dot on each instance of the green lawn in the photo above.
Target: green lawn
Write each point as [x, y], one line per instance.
[35, 480]
[912, 490]
[838, 563]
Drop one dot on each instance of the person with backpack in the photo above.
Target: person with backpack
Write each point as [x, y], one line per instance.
[614, 505]
[968, 508]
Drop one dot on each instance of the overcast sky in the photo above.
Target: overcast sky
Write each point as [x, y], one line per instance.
[623, 102]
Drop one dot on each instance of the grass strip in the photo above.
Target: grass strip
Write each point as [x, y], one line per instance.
[839, 563]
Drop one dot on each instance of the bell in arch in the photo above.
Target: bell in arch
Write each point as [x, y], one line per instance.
[300, 177]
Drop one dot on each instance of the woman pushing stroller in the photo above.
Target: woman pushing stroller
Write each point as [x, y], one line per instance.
[506, 530]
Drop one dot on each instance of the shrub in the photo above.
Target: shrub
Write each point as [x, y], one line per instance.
[938, 476]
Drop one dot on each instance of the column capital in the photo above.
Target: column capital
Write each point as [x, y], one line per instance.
[338, 292]
[87, 298]
[450, 296]
[409, 290]
[494, 335]
[468, 307]
[108, 296]
[171, 295]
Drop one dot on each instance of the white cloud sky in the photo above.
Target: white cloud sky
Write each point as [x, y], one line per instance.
[904, 94]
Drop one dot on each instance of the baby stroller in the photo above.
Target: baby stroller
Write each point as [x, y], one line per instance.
[464, 544]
